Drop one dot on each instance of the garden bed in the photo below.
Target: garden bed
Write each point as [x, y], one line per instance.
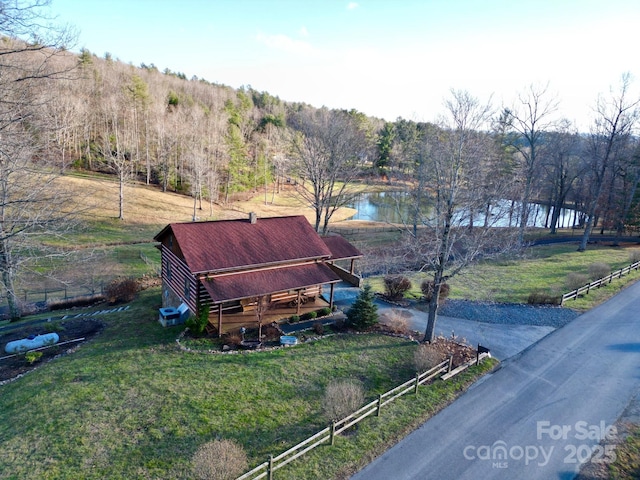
[12, 366]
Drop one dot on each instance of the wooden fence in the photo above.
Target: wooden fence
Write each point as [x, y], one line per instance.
[154, 265]
[64, 293]
[598, 283]
[327, 435]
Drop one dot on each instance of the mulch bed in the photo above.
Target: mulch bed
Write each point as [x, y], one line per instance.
[70, 329]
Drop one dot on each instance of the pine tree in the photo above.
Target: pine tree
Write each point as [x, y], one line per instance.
[363, 313]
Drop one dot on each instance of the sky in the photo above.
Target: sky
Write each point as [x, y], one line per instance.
[385, 58]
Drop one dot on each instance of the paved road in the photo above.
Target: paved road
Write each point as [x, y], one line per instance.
[541, 414]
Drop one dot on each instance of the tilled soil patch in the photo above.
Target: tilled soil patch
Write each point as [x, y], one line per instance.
[12, 366]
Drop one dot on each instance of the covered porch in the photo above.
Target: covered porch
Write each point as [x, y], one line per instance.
[277, 312]
[279, 292]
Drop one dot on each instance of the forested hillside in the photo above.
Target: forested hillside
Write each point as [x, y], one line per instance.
[211, 141]
[475, 163]
[188, 136]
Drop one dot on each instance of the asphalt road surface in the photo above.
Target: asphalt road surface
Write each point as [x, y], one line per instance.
[541, 415]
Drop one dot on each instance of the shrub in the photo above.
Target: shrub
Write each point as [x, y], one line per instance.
[599, 270]
[121, 290]
[634, 256]
[576, 280]
[318, 328]
[342, 398]
[339, 325]
[363, 313]
[426, 357]
[396, 323]
[395, 286]
[544, 298]
[294, 318]
[219, 460]
[233, 339]
[52, 327]
[323, 312]
[271, 333]
[427, 288]
[198, 323]
[32, 357]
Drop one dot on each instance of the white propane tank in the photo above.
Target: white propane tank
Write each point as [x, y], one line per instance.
[33, 341]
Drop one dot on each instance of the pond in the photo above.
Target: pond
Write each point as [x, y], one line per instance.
[398, 207]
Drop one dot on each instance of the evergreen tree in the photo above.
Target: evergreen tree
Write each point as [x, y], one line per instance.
[363, 313]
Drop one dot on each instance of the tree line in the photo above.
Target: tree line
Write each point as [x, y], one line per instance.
[210, 141]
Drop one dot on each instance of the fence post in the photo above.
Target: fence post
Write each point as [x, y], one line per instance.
[270, 467]
[379, 405]
[417, 383]
[450, 363]
[333, 432]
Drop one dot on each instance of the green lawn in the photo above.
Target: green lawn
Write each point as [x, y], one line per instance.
[540, 269]
[131, 404]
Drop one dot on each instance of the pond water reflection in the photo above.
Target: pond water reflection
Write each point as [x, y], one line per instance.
[398, 207]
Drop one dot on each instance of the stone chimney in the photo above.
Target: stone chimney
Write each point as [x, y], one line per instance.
[253, 218]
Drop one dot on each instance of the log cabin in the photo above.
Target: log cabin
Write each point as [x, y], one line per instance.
[226, 267]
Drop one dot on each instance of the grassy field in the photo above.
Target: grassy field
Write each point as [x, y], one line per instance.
[540, 269]
[102, 247]
[130, 404]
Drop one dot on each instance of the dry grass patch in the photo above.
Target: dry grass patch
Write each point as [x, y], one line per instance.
[219, 460]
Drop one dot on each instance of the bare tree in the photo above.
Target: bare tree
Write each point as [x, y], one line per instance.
[263, 304]
[529, 121]
[630, 180]
[329, 151]
[445, 243]
[31, 203]
[562, 166]
[117, 148]
[614, 123]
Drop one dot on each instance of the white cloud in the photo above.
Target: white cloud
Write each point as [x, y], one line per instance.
[303, 31]
[284, 43]
[352, 5]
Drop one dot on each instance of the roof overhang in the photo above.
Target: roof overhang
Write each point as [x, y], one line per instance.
[265, 282]
[341, 248]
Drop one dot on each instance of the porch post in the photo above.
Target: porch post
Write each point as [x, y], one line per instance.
[333, 286]
[298, 302]
[353, 263]
[219, 320]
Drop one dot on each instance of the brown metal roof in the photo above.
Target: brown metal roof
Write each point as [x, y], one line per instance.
[227, 245]
[340, 248]
[263, 282]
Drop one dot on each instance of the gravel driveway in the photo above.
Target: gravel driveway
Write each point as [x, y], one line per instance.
[508, 314]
